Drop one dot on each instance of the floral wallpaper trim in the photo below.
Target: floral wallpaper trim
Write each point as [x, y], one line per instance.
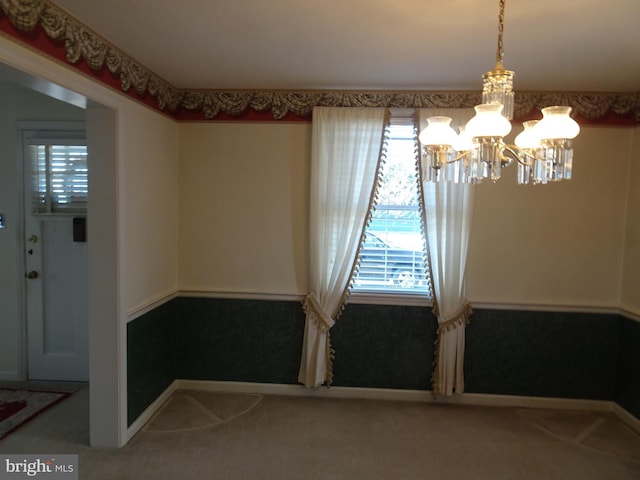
[82, 44]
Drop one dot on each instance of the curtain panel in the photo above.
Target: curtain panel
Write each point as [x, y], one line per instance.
[448, 211]
[345, 159]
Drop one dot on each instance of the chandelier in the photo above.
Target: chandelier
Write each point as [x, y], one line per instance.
[543, 151]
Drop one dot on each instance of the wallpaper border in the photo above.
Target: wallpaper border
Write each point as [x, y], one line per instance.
[73, 43]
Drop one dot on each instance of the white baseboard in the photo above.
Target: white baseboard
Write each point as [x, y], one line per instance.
[490, 400]
[626, 417]
[150, 411]
[302, 391]
[11, 377]
[478, 399]
[398, 395]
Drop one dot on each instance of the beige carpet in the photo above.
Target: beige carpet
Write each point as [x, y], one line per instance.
[204, 435]
[192, 409]
[600, 432]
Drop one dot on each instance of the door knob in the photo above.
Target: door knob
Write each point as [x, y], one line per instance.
[32, 274]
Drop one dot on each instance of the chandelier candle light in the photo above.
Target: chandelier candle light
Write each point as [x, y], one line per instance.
[543, 150]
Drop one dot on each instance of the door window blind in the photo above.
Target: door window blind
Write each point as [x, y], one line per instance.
[60, 173]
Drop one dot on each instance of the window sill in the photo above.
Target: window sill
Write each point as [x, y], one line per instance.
[388, 298]
[61, 213]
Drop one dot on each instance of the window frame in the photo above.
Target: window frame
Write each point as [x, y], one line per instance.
[52, 134]
[376, 296]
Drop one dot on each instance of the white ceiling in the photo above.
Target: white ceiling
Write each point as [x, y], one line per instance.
[558, 45]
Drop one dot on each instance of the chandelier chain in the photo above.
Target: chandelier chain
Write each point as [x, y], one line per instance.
[500, 50]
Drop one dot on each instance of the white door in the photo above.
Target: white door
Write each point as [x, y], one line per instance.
[56, 276]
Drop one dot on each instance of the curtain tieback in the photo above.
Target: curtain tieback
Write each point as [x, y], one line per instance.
[312, 306]
[460, 317]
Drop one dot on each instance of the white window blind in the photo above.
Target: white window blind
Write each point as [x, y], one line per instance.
[60, 173]
[392, 258]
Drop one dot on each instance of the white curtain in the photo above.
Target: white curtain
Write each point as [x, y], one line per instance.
[346, 145]
[448, 213]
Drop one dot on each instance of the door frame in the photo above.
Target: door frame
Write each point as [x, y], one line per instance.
[107, 326]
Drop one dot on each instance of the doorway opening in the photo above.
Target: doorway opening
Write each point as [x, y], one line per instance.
[19, 90]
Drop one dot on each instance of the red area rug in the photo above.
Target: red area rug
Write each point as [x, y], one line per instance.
[17, 407]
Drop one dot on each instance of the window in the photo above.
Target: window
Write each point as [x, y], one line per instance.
[59, 171]
[392, 258]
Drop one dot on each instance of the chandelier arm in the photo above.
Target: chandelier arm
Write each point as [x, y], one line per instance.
[516, 153]
[460, 156]
[512, 150]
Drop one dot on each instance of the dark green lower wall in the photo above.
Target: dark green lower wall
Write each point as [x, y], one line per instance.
[238, 340]
[568, 355]
[384, 346]
[542, 354]
[151, 368]
[627, 390]
[261, 341]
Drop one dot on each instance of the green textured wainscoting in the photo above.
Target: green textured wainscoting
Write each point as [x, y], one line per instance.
[542, 354]
[151, 367]
[239, 340]
[384, 346]
[261, 341]
[627, 393]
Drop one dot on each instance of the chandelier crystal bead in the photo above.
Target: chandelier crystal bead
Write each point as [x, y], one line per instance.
[437, 138]
[528, 143]
[497, 87]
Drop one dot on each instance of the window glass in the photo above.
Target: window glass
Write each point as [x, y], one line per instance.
[62, 178]
[57, 162]
[392, 259]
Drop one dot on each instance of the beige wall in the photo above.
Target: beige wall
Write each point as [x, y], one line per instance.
[243, 220]
[631, 274]
[243, 207]
[149, 198]
[558, 244]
